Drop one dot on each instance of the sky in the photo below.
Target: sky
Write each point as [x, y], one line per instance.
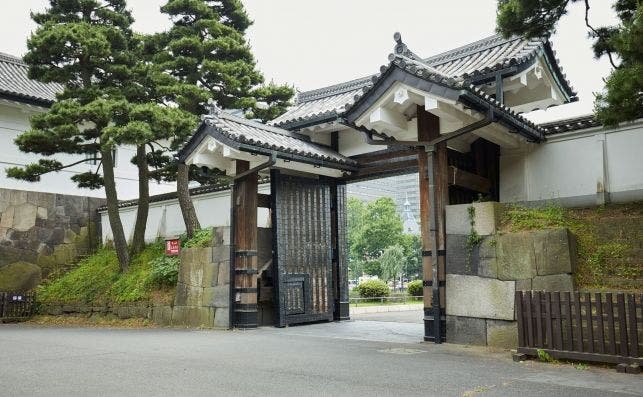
[312, 44]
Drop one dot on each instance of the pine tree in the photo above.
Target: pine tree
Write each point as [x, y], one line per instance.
[206, 48]
[85, 46]
[622, 99]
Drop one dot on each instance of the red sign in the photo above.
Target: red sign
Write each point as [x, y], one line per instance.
[172, 247]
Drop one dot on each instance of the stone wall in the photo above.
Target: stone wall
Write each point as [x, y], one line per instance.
[482, 279]
[41, 233]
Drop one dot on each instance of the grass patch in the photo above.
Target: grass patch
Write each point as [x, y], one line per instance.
[603, 240]
[98, 280]
[90, 322]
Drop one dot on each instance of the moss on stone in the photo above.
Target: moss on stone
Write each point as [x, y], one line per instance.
[19, 276]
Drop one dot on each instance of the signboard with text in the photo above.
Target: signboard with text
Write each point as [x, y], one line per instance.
[172, 247]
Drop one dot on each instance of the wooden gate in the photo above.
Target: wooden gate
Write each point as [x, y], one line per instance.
[302, 258]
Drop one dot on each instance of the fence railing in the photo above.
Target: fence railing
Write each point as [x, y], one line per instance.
[599, 327]
[402, 299]
[16, 306]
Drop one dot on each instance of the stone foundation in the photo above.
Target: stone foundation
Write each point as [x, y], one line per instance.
[481, 281]
[43, 232]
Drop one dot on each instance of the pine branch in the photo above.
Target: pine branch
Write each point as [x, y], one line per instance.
[597, 34]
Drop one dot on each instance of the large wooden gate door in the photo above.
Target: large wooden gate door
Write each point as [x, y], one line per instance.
[303, 256]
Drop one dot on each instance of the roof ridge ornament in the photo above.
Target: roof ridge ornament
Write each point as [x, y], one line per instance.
[213, 109]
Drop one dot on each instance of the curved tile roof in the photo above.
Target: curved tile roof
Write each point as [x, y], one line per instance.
[468, 63]
[241, 133]
[16, 84]
[570, 124]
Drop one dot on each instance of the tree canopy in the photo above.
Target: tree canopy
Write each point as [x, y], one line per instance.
[622, 98]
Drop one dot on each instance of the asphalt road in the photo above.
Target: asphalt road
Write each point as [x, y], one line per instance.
[364, 358]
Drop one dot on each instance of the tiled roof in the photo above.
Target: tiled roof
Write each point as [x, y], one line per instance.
[469, 63]
[16, 84]
[253, 136]
[407, 61]
[571, 124]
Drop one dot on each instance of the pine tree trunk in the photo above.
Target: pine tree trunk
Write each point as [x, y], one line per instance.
[183, 194]
[120, 243]
[138, 238]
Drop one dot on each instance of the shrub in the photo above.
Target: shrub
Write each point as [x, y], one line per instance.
[165, 271]
[373, 289]
[415, 288]
[202, 238]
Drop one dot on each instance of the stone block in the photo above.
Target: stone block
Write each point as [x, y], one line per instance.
[481, 262]
[487, 217]
[466, 330]
[210, 274]
[7, 217]
[188, 295]
[516, 259]
[162, 315]
[224, 273]
[523, 285]
[18, 197]
[555, 282]
[220, 253]
[24, 217]
[221, 236]
[502, 334]
[191, 316]
[70, 236]
[41, 213]
[201, 254]
[217, 296]
[555, 251]
[190, 271]
[222, 318]
[20, 276]
[472, 296]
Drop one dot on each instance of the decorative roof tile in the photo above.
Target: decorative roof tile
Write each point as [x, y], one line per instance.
[571, 124]
[16, 84]
[468, 63]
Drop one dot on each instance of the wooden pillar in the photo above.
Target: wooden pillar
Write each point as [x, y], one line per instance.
[244, 230]
[434, 292]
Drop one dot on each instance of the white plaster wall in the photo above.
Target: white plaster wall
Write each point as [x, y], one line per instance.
[579, 168]
[14, 120]
[165, 219]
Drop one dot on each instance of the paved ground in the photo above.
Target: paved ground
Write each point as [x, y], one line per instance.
[321, 359]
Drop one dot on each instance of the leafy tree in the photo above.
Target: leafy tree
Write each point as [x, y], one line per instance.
[206, 49]
[392, 261]
[413, 255]
[622, 99]
[372, 267]
[381, 228]
[84, 46]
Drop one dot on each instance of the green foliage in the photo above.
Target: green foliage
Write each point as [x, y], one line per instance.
[372, 267]
[206, 48]
[98, 279]
[546, 357]
[533, 218]
[378, 227]
[165, 271]
[392, 261]
[202, 238]
[473, 238]
[415, 288]
[412, 254]
[373, 289]
[622, 99]
[601, 260]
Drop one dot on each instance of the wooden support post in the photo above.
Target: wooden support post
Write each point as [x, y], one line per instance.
[245, 201]
[433, 182]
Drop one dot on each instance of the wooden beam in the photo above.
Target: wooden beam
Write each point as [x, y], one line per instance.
[244, 204]
[379, 169]
[468, 180]
[381, 155]
[387, 119]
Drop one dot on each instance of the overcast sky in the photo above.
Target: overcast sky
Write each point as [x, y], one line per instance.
[311, 44]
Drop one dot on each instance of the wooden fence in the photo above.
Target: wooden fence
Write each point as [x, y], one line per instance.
[599, 327]
[16, 306]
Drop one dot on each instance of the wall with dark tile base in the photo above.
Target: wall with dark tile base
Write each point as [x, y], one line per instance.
[41, 233]
[481, 280]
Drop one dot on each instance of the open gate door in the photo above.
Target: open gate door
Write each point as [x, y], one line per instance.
[302, 258]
